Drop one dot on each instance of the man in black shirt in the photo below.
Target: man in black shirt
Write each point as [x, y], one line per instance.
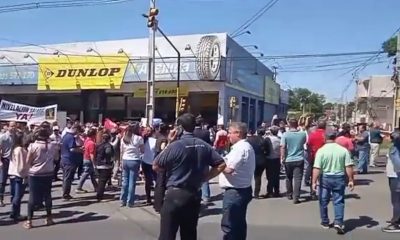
[186, 162]
[204, 135]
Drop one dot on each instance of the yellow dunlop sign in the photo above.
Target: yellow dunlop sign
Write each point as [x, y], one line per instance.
[81, 72]
[161, 92]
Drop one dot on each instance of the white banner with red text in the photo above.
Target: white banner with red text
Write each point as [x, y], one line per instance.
[10, 111]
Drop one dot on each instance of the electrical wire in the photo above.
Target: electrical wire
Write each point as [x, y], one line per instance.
[254, 18]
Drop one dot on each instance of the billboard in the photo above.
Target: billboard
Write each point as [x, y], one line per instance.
[81, 72]
[272, 91]
[18, 74]
[161, 92]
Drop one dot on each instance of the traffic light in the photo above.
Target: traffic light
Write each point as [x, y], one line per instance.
[232, 102]
[151, 18]
[182, 104]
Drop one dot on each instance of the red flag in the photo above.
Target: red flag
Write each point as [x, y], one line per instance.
[108, 124]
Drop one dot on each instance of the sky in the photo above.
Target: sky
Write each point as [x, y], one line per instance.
[290, 27]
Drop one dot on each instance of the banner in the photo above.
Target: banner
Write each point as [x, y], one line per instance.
[161, 92]
[272, 91]
[10, 111]
[81, 72]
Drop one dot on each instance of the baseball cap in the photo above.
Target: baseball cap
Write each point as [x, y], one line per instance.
[330, 134]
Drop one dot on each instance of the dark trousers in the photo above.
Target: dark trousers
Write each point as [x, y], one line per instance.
[3, 177]
[80, 167]
[17, 193]
[180, 211]
[261, 166]
[273, 173]
[308, 176]
[57, 165]
[104, 176]
[294, 171]
[234, 209]
[68, 177]
[149, 177]
[394, 184]
[39, 191]
[159, 190]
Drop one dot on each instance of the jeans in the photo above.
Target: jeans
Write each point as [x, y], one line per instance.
[258, 172]
[79, 169]
[104, 176]
[294, 170]
[17, 193]
[180, 211]
[374, 153]
[3, 177]
[273, 172]
[149, 177]
[363, 159]
[39, 191]
[332, 186]
[68, 177]
[130, 173]
[57, 165]
[88, 171]
[205, 191]
[394, 184]
[234, 209]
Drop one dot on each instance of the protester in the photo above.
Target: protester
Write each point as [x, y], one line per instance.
[316, 140]
[292, 156]
[132, 147]
[6, 146]
[204, 135]
[375, 140]
[40, 157]
[332, 164]
[236, 181]
[56, 139]
[273, 162]
[115, 142]
[344, 138]
[186, 162]
[18, 172]
[363, 148]
[393, 174]
[70, 154]
[161, 181]
[147, 163]
[221, 140]
[89, 161]
[80, 140]
[104, 164]
[260, 147]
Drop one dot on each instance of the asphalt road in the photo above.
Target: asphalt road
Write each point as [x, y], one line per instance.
[367, 209]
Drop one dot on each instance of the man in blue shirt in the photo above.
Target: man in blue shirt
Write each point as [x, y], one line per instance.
[69, 160]
[186, 162]
[292, 156]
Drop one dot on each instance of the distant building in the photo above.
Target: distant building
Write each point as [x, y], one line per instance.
[375, 98]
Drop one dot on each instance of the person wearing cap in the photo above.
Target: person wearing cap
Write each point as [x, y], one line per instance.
[55, 137]
[332, 164]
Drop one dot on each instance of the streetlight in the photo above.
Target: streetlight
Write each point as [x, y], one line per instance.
[242, 33]
[260, 53]
[251, 46]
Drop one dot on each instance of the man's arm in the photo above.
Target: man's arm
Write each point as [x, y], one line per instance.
[233, 159]
[165, 158]
[283, 149]
[349, 171]
[316, 172]
[217, 164]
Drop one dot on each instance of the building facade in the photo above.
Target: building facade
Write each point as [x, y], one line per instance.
[375, 100]
[94, 80]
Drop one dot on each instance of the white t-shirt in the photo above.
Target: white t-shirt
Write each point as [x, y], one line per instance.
[149, 150]
[242, 159]
[132, 150]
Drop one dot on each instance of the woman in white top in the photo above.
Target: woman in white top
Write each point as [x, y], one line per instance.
[147, 164]
[18, 172]
[132, 148]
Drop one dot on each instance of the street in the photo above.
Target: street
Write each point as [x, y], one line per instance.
[367, 209]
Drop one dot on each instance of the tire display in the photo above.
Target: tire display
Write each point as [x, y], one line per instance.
[208, 60]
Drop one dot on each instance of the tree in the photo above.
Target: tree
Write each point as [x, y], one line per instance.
[303, 99]
[390, 47]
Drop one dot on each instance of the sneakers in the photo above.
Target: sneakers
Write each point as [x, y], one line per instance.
[80, 191]
[339, 229]
[325, 225]
[392, 228]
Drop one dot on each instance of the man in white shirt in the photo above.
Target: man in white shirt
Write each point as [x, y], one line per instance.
[236, 180]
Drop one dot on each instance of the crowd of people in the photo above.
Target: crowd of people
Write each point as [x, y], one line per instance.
[178, 161]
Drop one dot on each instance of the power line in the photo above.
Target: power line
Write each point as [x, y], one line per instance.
[255, 17]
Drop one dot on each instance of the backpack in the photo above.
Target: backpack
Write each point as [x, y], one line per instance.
[102, 157]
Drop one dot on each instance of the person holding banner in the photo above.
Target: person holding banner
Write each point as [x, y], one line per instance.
[6, 145]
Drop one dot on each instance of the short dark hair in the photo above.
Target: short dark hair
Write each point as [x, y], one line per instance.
[321, 124]
[274, 130]
[92, 132]
[293, 123]
[199, 121]
[261, 131]
[187, 121]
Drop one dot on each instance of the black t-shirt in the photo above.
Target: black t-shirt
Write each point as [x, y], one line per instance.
[203, 134]
[260, 146]
[186, 162]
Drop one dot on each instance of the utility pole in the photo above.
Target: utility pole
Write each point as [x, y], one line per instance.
[396, 79]
[152, 24]
[345, 111]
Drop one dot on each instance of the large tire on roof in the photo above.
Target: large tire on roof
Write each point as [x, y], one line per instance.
[208, 59]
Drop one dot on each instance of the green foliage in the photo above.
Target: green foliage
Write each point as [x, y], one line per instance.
[302, 97]
[390, 46]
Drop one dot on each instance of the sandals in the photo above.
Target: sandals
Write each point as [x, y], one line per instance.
[27, 224]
